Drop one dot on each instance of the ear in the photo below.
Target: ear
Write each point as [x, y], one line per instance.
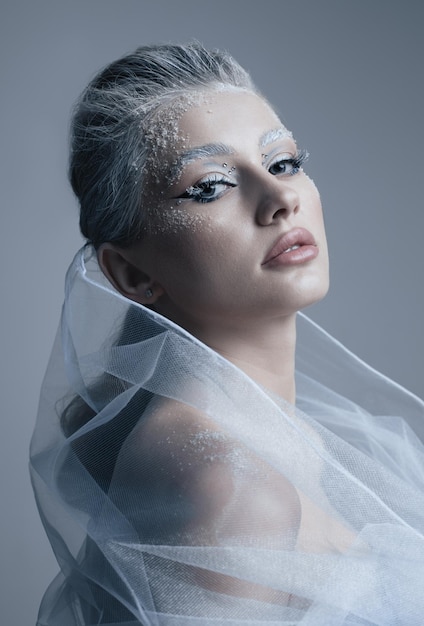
[119, 267]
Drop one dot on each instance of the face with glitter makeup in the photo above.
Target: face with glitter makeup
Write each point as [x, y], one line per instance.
[238, 236]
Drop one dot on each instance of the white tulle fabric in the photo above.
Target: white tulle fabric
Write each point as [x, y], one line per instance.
[175, 491]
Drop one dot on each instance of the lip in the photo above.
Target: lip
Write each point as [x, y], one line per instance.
[279, 254]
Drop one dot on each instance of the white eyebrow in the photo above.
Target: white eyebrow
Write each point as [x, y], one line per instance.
[221, 149]
[274, 135]
[201, 152]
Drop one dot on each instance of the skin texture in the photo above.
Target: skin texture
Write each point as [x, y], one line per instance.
[204, 262]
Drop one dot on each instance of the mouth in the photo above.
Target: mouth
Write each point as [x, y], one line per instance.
[296, 246]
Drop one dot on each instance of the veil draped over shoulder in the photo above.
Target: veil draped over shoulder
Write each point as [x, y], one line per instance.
[176, 491]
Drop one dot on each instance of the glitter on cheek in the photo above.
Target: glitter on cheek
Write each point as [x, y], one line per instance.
[172, 221]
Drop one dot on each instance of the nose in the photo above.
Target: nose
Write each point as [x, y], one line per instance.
[277, 199]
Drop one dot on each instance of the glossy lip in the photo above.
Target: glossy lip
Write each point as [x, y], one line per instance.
[296, 237]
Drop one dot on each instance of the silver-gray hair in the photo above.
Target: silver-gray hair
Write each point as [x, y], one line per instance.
[110, 129]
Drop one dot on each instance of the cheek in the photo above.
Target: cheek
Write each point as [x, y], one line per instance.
[198, 258]
[181, 242]
[177, 224]
[314, 194]
[312, 200]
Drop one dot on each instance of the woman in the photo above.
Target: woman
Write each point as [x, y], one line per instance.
[185, 473]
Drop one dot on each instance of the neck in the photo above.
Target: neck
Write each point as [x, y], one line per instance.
[265, 353]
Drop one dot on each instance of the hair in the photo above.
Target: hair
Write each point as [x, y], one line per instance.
[110, 138]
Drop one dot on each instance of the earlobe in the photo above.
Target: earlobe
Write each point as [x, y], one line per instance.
[126, 276]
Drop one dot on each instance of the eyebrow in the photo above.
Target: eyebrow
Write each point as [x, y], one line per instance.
[208, 150]
[274, 135]
[221, 149]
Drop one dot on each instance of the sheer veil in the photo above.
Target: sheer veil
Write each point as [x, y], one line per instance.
[176, 491]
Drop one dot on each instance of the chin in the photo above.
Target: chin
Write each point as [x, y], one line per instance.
[313, 293]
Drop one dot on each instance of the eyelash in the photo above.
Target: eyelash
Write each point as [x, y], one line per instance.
[296, 162]
[197, 191]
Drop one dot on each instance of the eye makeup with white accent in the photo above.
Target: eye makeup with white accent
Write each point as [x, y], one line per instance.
[208, 189]
[214, 186]
[288, 165]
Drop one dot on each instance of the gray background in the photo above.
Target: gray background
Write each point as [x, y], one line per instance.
[346, 77]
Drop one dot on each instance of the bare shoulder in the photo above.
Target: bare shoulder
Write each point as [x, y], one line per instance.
[179, 450]
[177, 444]
[170, 427]
[178, 462]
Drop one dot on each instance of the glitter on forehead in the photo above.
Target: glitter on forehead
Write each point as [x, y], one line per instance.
[161, 131]
[274, 135]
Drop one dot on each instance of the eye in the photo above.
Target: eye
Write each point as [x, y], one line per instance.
[288, 165]
[208, 189]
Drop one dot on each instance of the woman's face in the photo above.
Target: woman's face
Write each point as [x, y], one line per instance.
[222, 237]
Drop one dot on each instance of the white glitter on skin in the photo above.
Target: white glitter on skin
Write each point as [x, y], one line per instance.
[163, 136]
[162, 130]
[173, 220]
[164, 139]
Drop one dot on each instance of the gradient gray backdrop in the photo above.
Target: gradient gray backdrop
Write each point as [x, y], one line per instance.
[346, 77]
